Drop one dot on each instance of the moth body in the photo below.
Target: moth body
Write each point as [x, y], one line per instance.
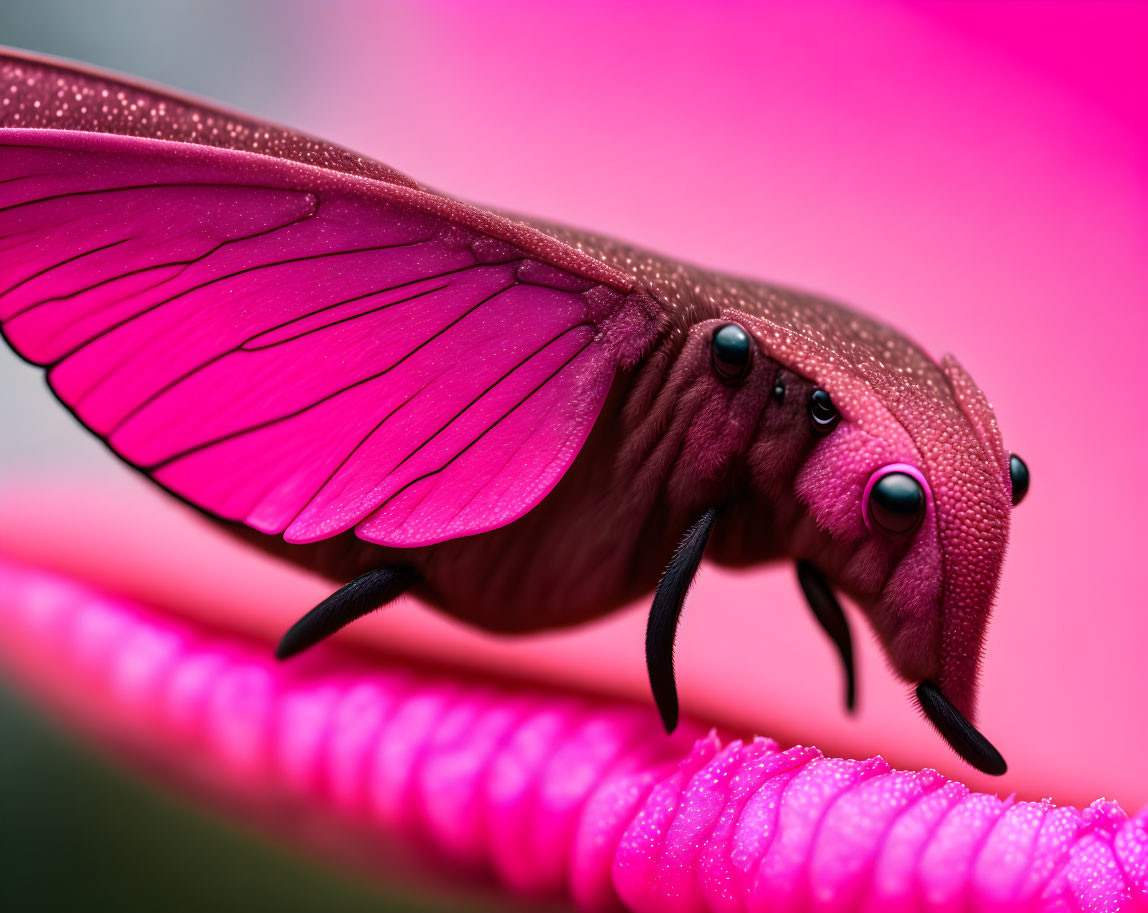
[527, 425]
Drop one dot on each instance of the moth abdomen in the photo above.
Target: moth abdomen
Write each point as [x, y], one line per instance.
[530, 420]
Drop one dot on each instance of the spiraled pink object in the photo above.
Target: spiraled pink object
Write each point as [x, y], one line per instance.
[563, 795]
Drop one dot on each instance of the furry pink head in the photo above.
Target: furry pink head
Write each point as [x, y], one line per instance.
[929, 595]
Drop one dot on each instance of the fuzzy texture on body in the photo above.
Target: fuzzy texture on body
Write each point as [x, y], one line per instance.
[178, 317]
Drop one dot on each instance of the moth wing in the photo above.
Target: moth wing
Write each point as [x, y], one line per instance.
[303, 348]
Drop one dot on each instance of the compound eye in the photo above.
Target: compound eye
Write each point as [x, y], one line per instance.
[732, 352]
[896, 502]
[1018, 472]
[822, 412]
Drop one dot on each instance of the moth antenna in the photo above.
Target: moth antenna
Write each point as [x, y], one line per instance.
[829, 614]
[362, 595]
[662, 626]
[962, 736]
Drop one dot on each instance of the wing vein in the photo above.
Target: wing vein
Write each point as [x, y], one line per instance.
[133, 187]
[282, 418]
[233, 275]
[335, 304]
[488, 429]
[48, 269]
[158, 266]
[187, 375]
[465, 408]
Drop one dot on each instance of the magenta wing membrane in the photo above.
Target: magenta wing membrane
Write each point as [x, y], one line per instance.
[300, 349]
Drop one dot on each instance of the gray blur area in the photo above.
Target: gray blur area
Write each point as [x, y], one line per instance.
[222, 50]
[77, 832]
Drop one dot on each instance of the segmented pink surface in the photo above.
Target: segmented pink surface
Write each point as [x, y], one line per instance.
[299, 351]
[560, 795]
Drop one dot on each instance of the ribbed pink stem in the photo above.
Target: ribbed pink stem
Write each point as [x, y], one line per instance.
[561, 795]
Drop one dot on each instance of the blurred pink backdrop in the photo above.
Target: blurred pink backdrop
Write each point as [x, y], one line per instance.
[976, 174]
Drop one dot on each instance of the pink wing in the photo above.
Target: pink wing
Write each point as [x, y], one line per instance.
[302, 349]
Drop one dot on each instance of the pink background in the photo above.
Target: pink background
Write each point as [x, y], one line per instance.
[976, 174]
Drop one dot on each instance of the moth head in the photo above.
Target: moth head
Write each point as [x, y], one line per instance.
[906, 489]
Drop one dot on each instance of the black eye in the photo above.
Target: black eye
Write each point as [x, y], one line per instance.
[1018, 470]
[822, 412]
[896, 502]
[731, 352]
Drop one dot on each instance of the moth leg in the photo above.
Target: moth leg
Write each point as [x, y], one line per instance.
[662, 625]
[829, 614]
[362, 595]
[963, 737]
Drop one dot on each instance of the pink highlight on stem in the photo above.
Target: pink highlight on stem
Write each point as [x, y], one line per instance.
[557, 795]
